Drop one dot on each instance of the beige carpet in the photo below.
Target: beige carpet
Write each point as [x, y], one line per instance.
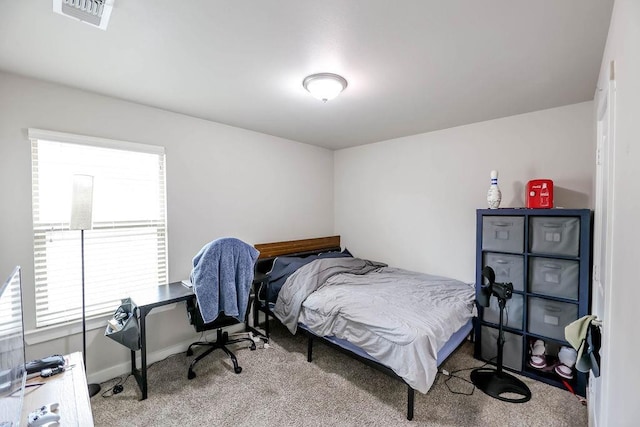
[278, 387]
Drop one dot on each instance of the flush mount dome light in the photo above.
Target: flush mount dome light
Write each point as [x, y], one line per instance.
[324, 86]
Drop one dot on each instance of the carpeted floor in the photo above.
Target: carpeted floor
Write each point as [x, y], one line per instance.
[278, 387]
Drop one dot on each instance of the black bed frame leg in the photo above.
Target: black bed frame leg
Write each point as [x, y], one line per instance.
[309, 348]
[410, 399]
[266, 324]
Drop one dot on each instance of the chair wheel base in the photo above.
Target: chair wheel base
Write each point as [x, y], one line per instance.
[237, 369]
[189, 352]
[191, 375]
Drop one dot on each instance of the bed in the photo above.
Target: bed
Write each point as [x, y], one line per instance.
[401, 322]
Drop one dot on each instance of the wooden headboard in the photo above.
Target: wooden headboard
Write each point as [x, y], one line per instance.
[269, 251]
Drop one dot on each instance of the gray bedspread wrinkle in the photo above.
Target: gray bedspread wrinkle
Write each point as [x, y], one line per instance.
[311, 277]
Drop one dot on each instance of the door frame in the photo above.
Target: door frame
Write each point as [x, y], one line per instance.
[598, 393]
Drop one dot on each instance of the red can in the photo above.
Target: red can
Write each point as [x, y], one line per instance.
[540, 194]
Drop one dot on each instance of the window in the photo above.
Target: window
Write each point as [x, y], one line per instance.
[126, 248]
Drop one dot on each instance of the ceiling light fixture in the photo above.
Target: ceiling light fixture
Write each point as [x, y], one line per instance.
[324, 86]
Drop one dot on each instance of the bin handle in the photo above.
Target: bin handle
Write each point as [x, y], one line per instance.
[554, 266]
[552, 225]
[502, 224]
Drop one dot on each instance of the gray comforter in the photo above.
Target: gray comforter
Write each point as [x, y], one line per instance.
[311, 277]
[399, 317]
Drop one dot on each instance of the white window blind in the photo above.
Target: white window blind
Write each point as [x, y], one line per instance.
[126, 248]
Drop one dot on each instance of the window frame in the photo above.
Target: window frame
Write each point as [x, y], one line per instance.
[102, 308]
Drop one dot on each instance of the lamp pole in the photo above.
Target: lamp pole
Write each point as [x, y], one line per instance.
[84, 323]
[81, 213]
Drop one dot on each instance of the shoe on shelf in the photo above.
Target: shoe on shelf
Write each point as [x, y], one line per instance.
[538, 355]
[567, 357]
[564, 371]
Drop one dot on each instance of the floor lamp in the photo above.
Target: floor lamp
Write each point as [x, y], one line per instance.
[81, 213]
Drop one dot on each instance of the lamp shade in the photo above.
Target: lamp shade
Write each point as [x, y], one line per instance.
[81, 203]
[324, 86]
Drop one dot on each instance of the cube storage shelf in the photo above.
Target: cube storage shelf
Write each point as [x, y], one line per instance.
[546, 255]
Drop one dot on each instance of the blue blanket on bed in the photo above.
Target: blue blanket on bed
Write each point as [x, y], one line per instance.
[221, 277]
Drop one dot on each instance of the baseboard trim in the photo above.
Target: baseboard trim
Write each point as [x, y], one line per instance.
[124, 368]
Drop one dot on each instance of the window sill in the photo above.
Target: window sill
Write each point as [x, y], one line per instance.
[50, 333]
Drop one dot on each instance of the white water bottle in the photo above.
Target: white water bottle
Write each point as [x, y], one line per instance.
[494, 196]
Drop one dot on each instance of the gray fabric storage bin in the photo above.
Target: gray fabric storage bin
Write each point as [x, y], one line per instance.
[548, 318]
[512, 350]
[508, 268]
[554, 277]
[512, 312]
[129, 333]
[555, 235]
[503, 234]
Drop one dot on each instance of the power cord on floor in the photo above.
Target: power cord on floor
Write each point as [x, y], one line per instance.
[452, 374]
[118, 387]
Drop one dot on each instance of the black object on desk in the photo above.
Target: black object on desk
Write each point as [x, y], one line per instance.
[38, 365]
[147, 301]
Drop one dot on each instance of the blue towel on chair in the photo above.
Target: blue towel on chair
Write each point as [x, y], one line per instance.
[221, 276]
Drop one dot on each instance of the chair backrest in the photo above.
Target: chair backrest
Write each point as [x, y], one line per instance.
[222, 275]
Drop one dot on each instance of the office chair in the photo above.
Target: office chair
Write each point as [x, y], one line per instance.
[222, 337]
[222, 276]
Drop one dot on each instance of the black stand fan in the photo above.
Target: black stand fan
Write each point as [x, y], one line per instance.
[495, 382]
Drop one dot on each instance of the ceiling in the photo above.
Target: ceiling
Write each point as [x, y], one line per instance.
[413, 66]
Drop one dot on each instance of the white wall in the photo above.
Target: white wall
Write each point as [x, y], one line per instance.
[620, 374]
[221, 181]
[411, 201]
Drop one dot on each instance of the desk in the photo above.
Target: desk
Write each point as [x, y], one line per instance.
[147, 301]
[69, 389]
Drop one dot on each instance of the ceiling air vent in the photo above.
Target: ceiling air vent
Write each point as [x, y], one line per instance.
[92, 12]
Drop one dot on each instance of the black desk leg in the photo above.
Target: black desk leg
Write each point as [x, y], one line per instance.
[134, 369]
[143, 352]
[141, 374]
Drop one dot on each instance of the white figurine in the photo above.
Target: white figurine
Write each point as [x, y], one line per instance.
[494, 196]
